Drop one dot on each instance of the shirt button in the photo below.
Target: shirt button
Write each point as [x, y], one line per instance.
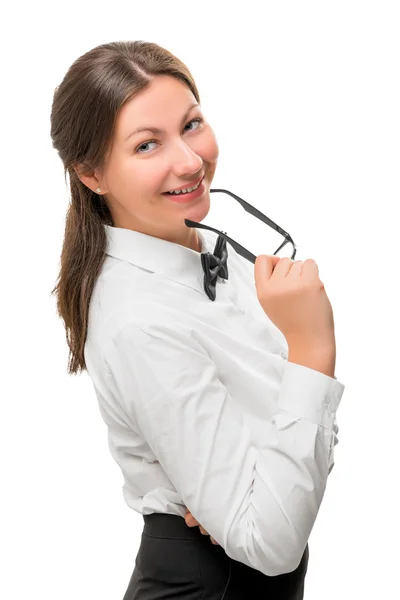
[284, 355]
[241, 311]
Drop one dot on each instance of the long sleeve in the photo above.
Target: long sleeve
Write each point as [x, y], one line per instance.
[259, 502]
[333, 440]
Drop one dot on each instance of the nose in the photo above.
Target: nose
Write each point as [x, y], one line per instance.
[184, 160]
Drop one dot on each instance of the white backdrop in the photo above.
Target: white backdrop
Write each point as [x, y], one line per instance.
[313, 140]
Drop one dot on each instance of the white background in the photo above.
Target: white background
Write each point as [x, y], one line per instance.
[304, 100]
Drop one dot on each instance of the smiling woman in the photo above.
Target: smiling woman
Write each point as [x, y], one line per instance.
[192, 425]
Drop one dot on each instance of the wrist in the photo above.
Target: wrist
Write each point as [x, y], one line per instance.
[319, 358]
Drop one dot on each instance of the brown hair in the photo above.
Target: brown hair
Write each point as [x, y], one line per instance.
[83, 118]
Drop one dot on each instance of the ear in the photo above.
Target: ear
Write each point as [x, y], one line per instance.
[90, 179]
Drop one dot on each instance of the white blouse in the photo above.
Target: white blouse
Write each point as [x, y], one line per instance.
[202, 407]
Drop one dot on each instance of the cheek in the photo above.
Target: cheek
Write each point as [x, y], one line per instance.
[211, 149]
[120, 175]
[144, 175]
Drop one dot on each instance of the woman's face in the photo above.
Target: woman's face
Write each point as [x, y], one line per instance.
[144, 165]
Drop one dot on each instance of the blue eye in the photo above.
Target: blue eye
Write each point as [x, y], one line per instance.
[197, 120]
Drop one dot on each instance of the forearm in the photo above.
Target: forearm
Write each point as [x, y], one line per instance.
[321, 358]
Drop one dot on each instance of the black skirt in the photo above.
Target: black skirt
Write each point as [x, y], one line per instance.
[177, 561]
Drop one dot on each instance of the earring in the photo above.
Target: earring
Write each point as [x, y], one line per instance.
[98, 190]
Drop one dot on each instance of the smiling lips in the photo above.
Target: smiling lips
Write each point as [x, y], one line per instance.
[186, 197]
[185, 187]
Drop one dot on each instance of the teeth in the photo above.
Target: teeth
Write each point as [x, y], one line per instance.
[185, 190]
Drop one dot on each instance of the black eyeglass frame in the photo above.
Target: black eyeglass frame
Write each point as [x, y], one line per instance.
[256, 213]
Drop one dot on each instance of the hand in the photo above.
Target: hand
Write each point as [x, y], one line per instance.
[294, 298]
[191, 522]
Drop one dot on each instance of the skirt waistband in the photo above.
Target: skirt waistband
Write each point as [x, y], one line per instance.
[166, 525]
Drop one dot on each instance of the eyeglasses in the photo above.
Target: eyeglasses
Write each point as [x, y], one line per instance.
[256, 213]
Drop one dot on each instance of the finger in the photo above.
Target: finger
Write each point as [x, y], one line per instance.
[310, 269]
[214, 541]
[203, 531]
[283, 267]
[264, 267]
[191, 521]
[296, 269]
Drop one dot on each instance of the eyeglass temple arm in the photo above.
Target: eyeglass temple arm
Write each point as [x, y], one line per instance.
[238, 247]
[256, 213]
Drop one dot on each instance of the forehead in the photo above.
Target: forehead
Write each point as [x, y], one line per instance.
[161, 104]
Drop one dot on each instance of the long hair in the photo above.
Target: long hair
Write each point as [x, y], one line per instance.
[83, 118]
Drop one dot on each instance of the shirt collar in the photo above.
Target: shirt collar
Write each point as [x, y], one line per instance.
[168, 259]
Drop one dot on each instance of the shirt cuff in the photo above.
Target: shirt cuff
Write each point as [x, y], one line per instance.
[310, 394]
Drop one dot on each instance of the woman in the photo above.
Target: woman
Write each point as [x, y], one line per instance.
[221, 415]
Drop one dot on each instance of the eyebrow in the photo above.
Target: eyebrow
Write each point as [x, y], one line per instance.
[155, 130]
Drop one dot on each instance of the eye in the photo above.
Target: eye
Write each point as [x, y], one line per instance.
[197, 120]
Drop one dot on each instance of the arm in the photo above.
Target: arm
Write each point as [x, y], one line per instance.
[259, 503]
